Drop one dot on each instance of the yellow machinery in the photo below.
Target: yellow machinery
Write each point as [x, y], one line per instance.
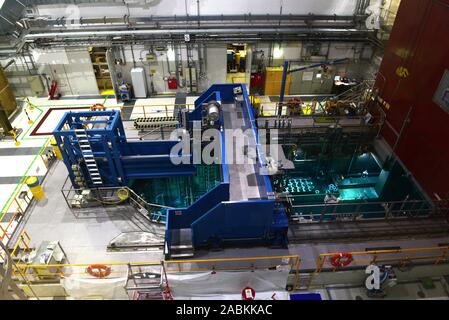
[273, 81]
[35, 188]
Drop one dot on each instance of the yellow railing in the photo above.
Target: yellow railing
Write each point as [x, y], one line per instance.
[400, 257]
[59, 271]
[18, 205]
[220, 264]
[23, 243]
[268, 109]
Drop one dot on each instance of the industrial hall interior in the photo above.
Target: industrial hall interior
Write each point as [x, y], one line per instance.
[224, 150]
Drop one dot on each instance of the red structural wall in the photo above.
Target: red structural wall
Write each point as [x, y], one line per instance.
[419, 42]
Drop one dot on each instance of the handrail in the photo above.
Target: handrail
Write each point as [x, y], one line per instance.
[151, 208]
[24, 239]
[400, 260]
[4, 232]
[147, 133]
[131, 191]
[149, 263]
[146, 112]
[293, 261]
[387, 210]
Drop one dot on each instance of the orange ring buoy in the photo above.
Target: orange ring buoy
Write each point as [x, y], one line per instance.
[97, 106]
[341, 260]
[102, 270]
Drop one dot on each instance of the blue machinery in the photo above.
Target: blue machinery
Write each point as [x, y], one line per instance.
[97, 155]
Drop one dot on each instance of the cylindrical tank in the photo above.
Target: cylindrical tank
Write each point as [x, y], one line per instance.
[35, 188]
[56, 149]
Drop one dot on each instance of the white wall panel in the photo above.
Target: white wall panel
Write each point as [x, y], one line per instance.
[216, 64]
[81, 73]
[76, 77]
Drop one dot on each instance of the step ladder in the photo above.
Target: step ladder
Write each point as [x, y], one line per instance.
[147, 282]
[88, 156]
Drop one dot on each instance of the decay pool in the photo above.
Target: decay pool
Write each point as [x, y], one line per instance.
[360, 182]
[177, 191]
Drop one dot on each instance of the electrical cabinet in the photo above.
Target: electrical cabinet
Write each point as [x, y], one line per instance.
[139, 82]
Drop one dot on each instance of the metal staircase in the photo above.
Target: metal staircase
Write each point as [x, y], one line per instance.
[88, 156]
[181, 244]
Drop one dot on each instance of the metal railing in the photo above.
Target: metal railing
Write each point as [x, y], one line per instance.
[388, 17]
[166, 110]
[108, 196]
[120, 269]
[144, 110]
[359, 95]
[21, 200]
[400, 258]
[370, 210]
[323, 263]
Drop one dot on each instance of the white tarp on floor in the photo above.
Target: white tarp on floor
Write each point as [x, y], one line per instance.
[221, 285]
[83, 288]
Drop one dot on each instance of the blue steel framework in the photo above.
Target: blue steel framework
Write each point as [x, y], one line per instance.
[117, 159]
[213, 219]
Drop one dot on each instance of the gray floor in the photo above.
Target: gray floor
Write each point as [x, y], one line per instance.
[308, 252]
[83, 238]
[19, 151]
[403, 291]
[243, 178]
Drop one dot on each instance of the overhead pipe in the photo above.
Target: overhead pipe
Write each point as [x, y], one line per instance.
[247, 18]
[209, 40]
[132, 54]
[175, 26]
[363, 37]
[209, 22]
[68, 34]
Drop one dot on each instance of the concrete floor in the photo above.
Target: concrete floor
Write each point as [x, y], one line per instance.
[402, 291]
[83, 238]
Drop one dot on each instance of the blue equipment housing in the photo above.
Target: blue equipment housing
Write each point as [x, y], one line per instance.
[99, 148]
[94, 144]
[214, 220]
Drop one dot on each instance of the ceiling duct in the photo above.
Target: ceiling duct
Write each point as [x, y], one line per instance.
[10, 12]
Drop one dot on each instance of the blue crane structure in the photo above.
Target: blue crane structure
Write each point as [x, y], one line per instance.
[240, 209]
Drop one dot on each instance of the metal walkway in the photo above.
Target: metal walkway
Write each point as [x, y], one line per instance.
[245, 180]
[368, 230]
